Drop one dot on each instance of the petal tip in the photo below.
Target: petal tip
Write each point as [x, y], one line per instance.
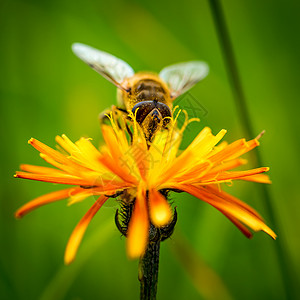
[161, 217]
[266, 169]
[257, 143]
[273, 235]
[31, 141]
[18, 214]
[134, 253]
[160, 211]
[68, 259]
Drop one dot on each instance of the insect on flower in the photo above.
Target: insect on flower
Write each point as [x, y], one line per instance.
[148, 95]
[140, 162]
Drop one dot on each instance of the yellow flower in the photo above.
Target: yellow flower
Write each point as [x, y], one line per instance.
[128, 163]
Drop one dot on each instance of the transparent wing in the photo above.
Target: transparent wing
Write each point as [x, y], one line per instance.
[181, 77]
[110, 67]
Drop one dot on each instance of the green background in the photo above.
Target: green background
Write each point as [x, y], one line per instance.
[45, 90]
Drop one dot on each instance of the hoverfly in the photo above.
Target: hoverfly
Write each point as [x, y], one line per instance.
[148, 95]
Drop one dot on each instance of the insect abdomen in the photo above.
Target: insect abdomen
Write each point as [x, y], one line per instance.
[150, 90]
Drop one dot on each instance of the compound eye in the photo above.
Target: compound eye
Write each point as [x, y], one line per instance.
[142, 109]
[165, 112]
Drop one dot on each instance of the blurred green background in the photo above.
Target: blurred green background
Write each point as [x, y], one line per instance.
[46, 90]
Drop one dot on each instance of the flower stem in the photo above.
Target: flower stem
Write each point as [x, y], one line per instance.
[149, 262]
[148, 271]
[148, 267]
[240, 101]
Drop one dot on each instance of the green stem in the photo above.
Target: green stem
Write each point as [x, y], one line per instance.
[240, 101]
[231, 66]
[148, 271]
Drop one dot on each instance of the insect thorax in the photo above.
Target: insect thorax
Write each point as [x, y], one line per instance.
[145, 87]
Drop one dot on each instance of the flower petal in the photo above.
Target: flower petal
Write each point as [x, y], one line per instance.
[141, 157]
[41, 147]
[138, 230]
[118, 168]
[233, 150]
[78, 232]
[45, 199]
[228, 165]
[194, 153]
[231, 199]
[75, 198]
[261, 178]
[40, 170]
[233, 209]
[245, 231]
[160, 212]
[225, 176]
[62, 179]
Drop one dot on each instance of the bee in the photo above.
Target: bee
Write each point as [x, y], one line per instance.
[148, 95]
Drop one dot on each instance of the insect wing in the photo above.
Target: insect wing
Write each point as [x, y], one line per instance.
[181, 77]
[110, 67]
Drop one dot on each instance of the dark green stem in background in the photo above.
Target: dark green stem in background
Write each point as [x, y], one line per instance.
[240, 101]
[231, 67]
[148, 271]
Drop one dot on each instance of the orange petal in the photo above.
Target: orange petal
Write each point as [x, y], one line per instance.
[111, 142]
[56, 158]
[41, 147]
[66, 143]
[232, 209]
[228, 165]
[63, 178]
[78, 197]
[115, 167]
[138, 230]
[141, 157]
[64, 167]
[45, 199]
[199, 148]
[248, 147]
[234, 220]
[195, 174]
[245, 231]
[233, 150]
[160, 212]
[39, 169]
[224, 176]
[110, 186]
[78, 232]
[261, 178]
[231, 199]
